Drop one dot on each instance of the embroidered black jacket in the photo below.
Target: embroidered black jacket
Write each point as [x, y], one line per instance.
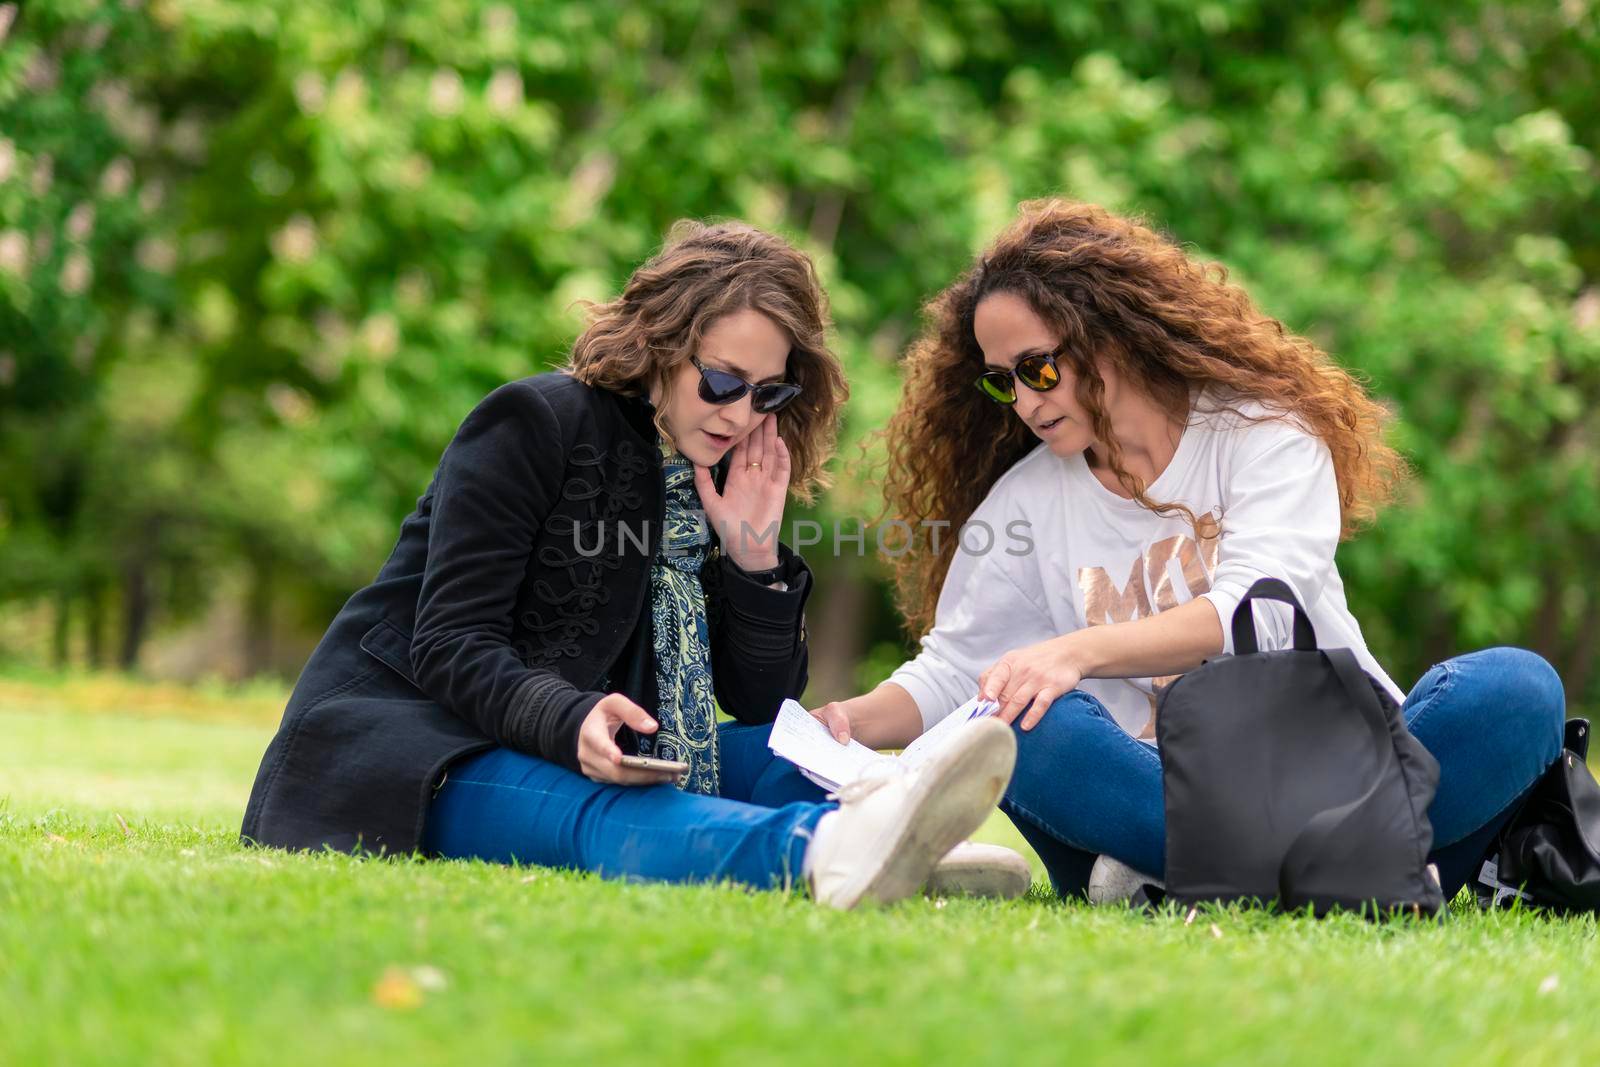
[515, 597]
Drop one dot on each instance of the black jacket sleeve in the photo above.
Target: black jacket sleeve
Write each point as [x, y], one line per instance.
[496, 484]
[758, 638]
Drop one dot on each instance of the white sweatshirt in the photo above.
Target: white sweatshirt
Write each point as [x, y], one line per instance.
[1096, 558]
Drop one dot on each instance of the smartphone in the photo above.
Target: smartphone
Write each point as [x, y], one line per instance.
[650, 763]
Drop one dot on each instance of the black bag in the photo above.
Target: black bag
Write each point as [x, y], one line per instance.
[1548, 855]
[1290, 776]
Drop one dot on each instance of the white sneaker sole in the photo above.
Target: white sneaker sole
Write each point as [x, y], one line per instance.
[994, 877]
[953, 794]
[1114, 882]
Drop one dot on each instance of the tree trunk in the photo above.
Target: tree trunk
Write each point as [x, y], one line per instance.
[135, 612]
[835, 630]
[94, 623]
[1577, 668]
[1546, 637]
[258, 617]
[1438, 642]
[60, 647]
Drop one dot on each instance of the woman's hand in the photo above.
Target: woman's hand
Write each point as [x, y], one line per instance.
[748, 512]
[1029, 679]
[836, 717]
[887, 717]
[598, 754]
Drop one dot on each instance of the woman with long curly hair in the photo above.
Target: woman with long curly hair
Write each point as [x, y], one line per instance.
[486, 696]
[1103, 444]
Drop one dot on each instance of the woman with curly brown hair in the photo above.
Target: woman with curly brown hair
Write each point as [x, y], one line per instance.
[1125, 445]
[597, 542]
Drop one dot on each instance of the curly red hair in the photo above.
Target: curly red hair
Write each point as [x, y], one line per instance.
[1114, 291]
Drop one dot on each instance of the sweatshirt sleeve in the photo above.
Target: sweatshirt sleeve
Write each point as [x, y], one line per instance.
[1280, 519]
[983, 613]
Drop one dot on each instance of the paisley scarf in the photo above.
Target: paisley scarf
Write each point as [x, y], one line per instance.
[686, 710]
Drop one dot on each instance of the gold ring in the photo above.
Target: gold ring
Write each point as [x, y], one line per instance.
[752, 466]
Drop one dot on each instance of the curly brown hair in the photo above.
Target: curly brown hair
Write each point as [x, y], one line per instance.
[1113, 290]
[703, 272]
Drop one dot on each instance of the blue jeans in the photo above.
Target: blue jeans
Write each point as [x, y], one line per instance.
[507, 807]
[1493, 719]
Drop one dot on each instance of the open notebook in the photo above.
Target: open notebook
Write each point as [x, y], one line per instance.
[804, 741]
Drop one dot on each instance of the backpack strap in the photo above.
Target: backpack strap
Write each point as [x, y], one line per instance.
[1577, 737]
[1358, 687]
[1244, 621]
[1314, 837]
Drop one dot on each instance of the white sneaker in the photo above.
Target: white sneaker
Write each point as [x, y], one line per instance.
[888, 833]
[1113, 882]
[973, 869]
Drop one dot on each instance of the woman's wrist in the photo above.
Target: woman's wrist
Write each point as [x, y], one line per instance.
[1077, 649]
[887, 717]
[764, 569]
[757, 565]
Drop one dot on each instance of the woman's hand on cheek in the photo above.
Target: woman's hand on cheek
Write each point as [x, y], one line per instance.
[748, 513]
[1026, 681]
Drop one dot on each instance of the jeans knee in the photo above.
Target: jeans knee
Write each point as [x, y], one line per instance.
[1061, 732]
[1529, 691]
[1066, 713]
[1547, 698]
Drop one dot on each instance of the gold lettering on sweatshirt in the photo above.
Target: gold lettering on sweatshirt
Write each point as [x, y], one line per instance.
[1104, 601]
[1149, 589]
[1157, 574]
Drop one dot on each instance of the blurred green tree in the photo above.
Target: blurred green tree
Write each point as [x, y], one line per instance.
[318, 233]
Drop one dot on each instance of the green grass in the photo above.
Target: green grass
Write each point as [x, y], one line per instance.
[167, 943]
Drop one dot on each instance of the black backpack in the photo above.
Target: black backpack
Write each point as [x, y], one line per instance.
[1290, 777]
[1548, 854]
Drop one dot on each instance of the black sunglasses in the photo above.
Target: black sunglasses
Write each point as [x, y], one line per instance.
[720, 387]
[1037, 372]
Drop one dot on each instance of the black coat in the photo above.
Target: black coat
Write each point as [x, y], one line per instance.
[496, 621]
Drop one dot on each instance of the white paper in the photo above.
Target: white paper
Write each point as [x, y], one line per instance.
[803, 740]
[940, 732]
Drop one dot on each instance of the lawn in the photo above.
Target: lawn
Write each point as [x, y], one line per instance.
[134, 929]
